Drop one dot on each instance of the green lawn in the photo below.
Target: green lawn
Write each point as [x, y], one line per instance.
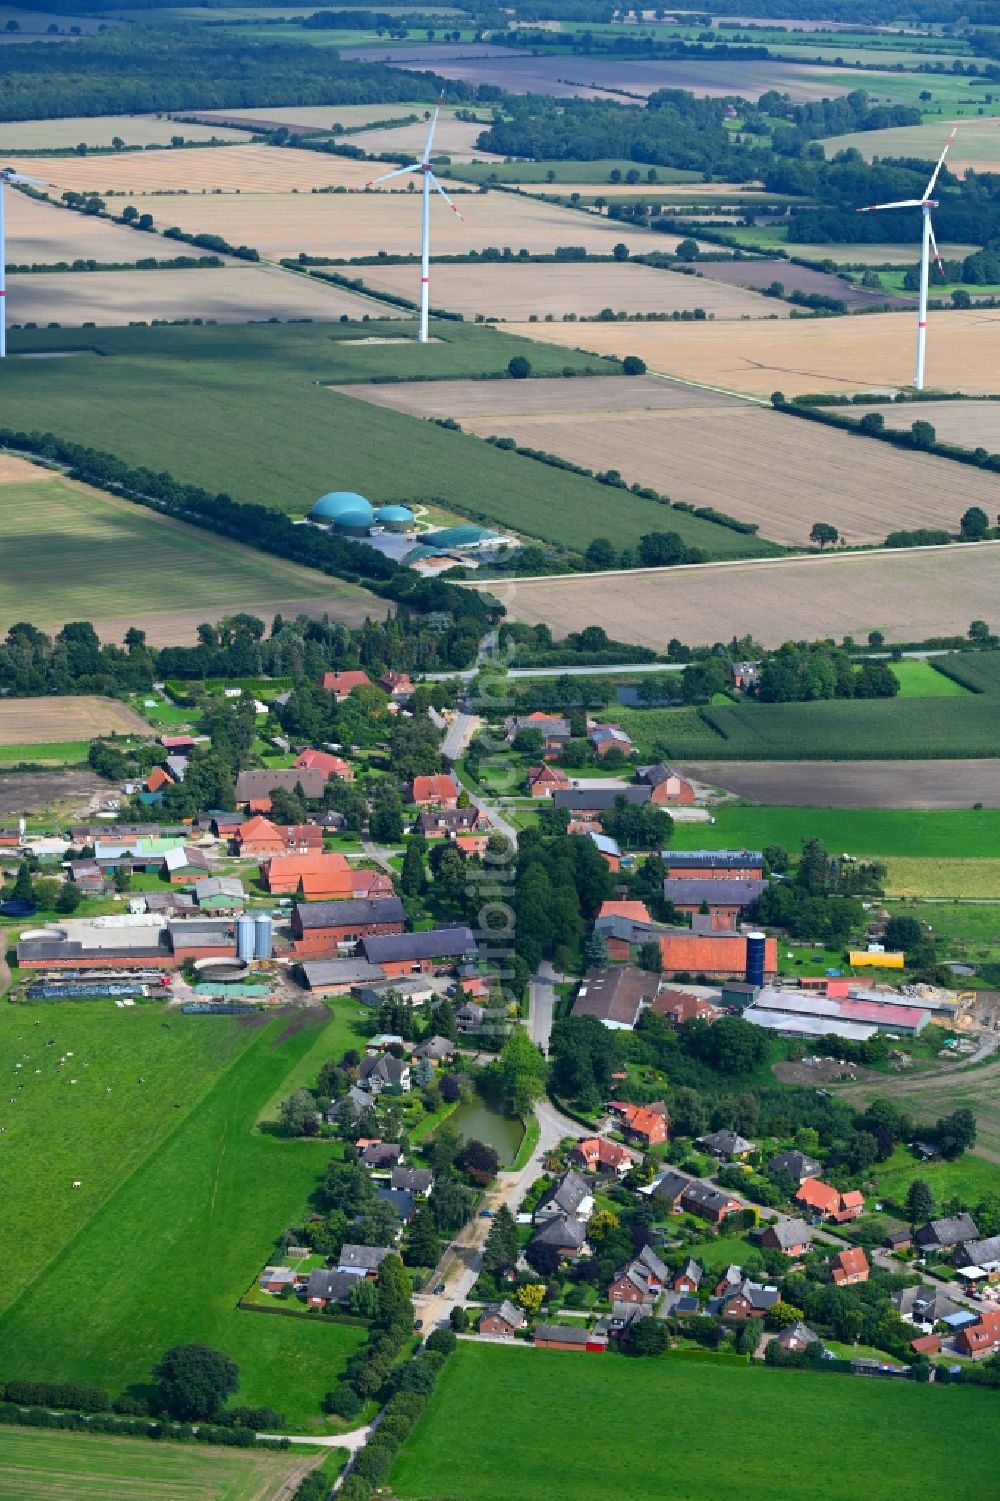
[716, 1252]
[86, 556]
[919, 679]
[186, 1204]
[37, 1465]
[971, 1178]
[57, 752]
[287, 438]
[933, 834]
[790, 1438]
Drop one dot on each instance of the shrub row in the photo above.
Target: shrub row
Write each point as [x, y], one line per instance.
[11, 1415]
[414, 1383]
[148, 263]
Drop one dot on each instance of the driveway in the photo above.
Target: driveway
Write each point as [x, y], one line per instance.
[543, 1000]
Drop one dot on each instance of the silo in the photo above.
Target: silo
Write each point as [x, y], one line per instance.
[262, 936]
[756, 943]
[245, 937]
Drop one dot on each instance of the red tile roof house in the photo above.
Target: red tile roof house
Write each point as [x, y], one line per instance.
[330, 766]
[438, 791]
[258, 837]
[158, 779]
[648, 1124]
[849, 1266]
[396, 684]
[544, 780]
[596, 1154]
[680, 1006]
[342, 684]
[634, 911]
[982, 1338]
[502, 1320]
[818, 1196]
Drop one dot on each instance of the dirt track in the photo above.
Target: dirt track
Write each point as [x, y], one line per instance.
[856, 784]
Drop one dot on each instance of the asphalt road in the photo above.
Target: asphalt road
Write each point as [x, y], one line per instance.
[543, 1001]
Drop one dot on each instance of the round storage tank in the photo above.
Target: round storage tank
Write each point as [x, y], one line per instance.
[395, 518]
[244, 938]
[262, 936]
[336, 502]
[354, 523]
[756, 948]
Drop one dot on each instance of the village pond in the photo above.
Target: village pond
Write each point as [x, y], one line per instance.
[476, 1121]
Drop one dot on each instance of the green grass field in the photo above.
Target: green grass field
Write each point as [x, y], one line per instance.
[963, 930]
[943, 878]
[181, 1203]
[790, 1438]
[39, 1465]
[917, 833]
[52, 752]
[841, 729]
[971, 1178]
[919, 679]
[287, 439]
[73, 554]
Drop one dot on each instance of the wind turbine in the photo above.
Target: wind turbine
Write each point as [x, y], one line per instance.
[924, 204]
[423, 166]
[7, 174]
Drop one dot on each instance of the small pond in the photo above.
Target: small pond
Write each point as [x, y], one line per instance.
[628, 697]
[475, 1121]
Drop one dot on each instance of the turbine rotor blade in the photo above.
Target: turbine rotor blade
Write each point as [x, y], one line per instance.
[444, 195]
[872, 208]
[430, 133]
[934, 247]
[940, 162]
[398, 172]
[36, 182]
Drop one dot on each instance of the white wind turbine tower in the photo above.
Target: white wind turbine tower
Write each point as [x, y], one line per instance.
[423, 166]
[924, 204]
[7, 174]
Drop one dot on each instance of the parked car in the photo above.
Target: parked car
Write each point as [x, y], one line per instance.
[439, 1288]
[486, 1214]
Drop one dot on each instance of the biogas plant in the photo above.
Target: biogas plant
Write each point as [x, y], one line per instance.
[407, 537]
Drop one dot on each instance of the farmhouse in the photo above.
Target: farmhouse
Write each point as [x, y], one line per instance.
[680, 1006]
[791, 1237]
[849, 1266]
[343, 684]
[721, 899]
[829, 1203]
[419, 953]
[609, 737]
[667, 787]
[439, 791]
[319, 929]
[258, 837]
[554, 730]
[503, 1320]
[616, 996]
[318, 877]
[645, 1124]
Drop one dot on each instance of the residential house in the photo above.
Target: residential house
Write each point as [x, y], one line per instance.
[567, 1236]
[925, 1305]
[326, 764]
[158, 779]
[797, 1336]
[362, 1261]
[325, 1287]
[381, 1073]
[712, 1204]
[981, 1338]
[438, 791]
[356, 1100]
[797, 1164]
[471, 845]
[437, 949]
[730, 1282]
[791, 1237]
[616, 996]
[255, 787]
[898, 1240]
[607, 737]
[727, 1146]
[680, 1007]
[553, 728]
[470, 1017]
[343, 684]
[609, 849]
[380, 1154]
[595, 1154]
[981, 1253]
[418, 1181]
[667, 788]
[276, 1279]
[829, 1203]
[688, 1278]
[670, 1186]
[448, 823]
[398, 685]
[319, 929]
[946, 1234]
[678, 1306]
[569, 1194]
[400, 1200]
[258, 838]
[751, 1300]
[849, 1266]
[544, 780]
[641, 1280]
[591, 802]
[645, 1124]
[437, 1049]
[502, 1320]
[569, 1337]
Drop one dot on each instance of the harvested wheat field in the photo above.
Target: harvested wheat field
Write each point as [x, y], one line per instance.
[348, 224]
[513, 291]
[904, 253]
[454, 138]
[230, 294]
[204, 169]
[100, 130]
[15, 471]
[313, 117]
[907, 595]
[27, 721]
[45, 233]
[595, 394]
[976, 147]
[802, 354]
[969, 424]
